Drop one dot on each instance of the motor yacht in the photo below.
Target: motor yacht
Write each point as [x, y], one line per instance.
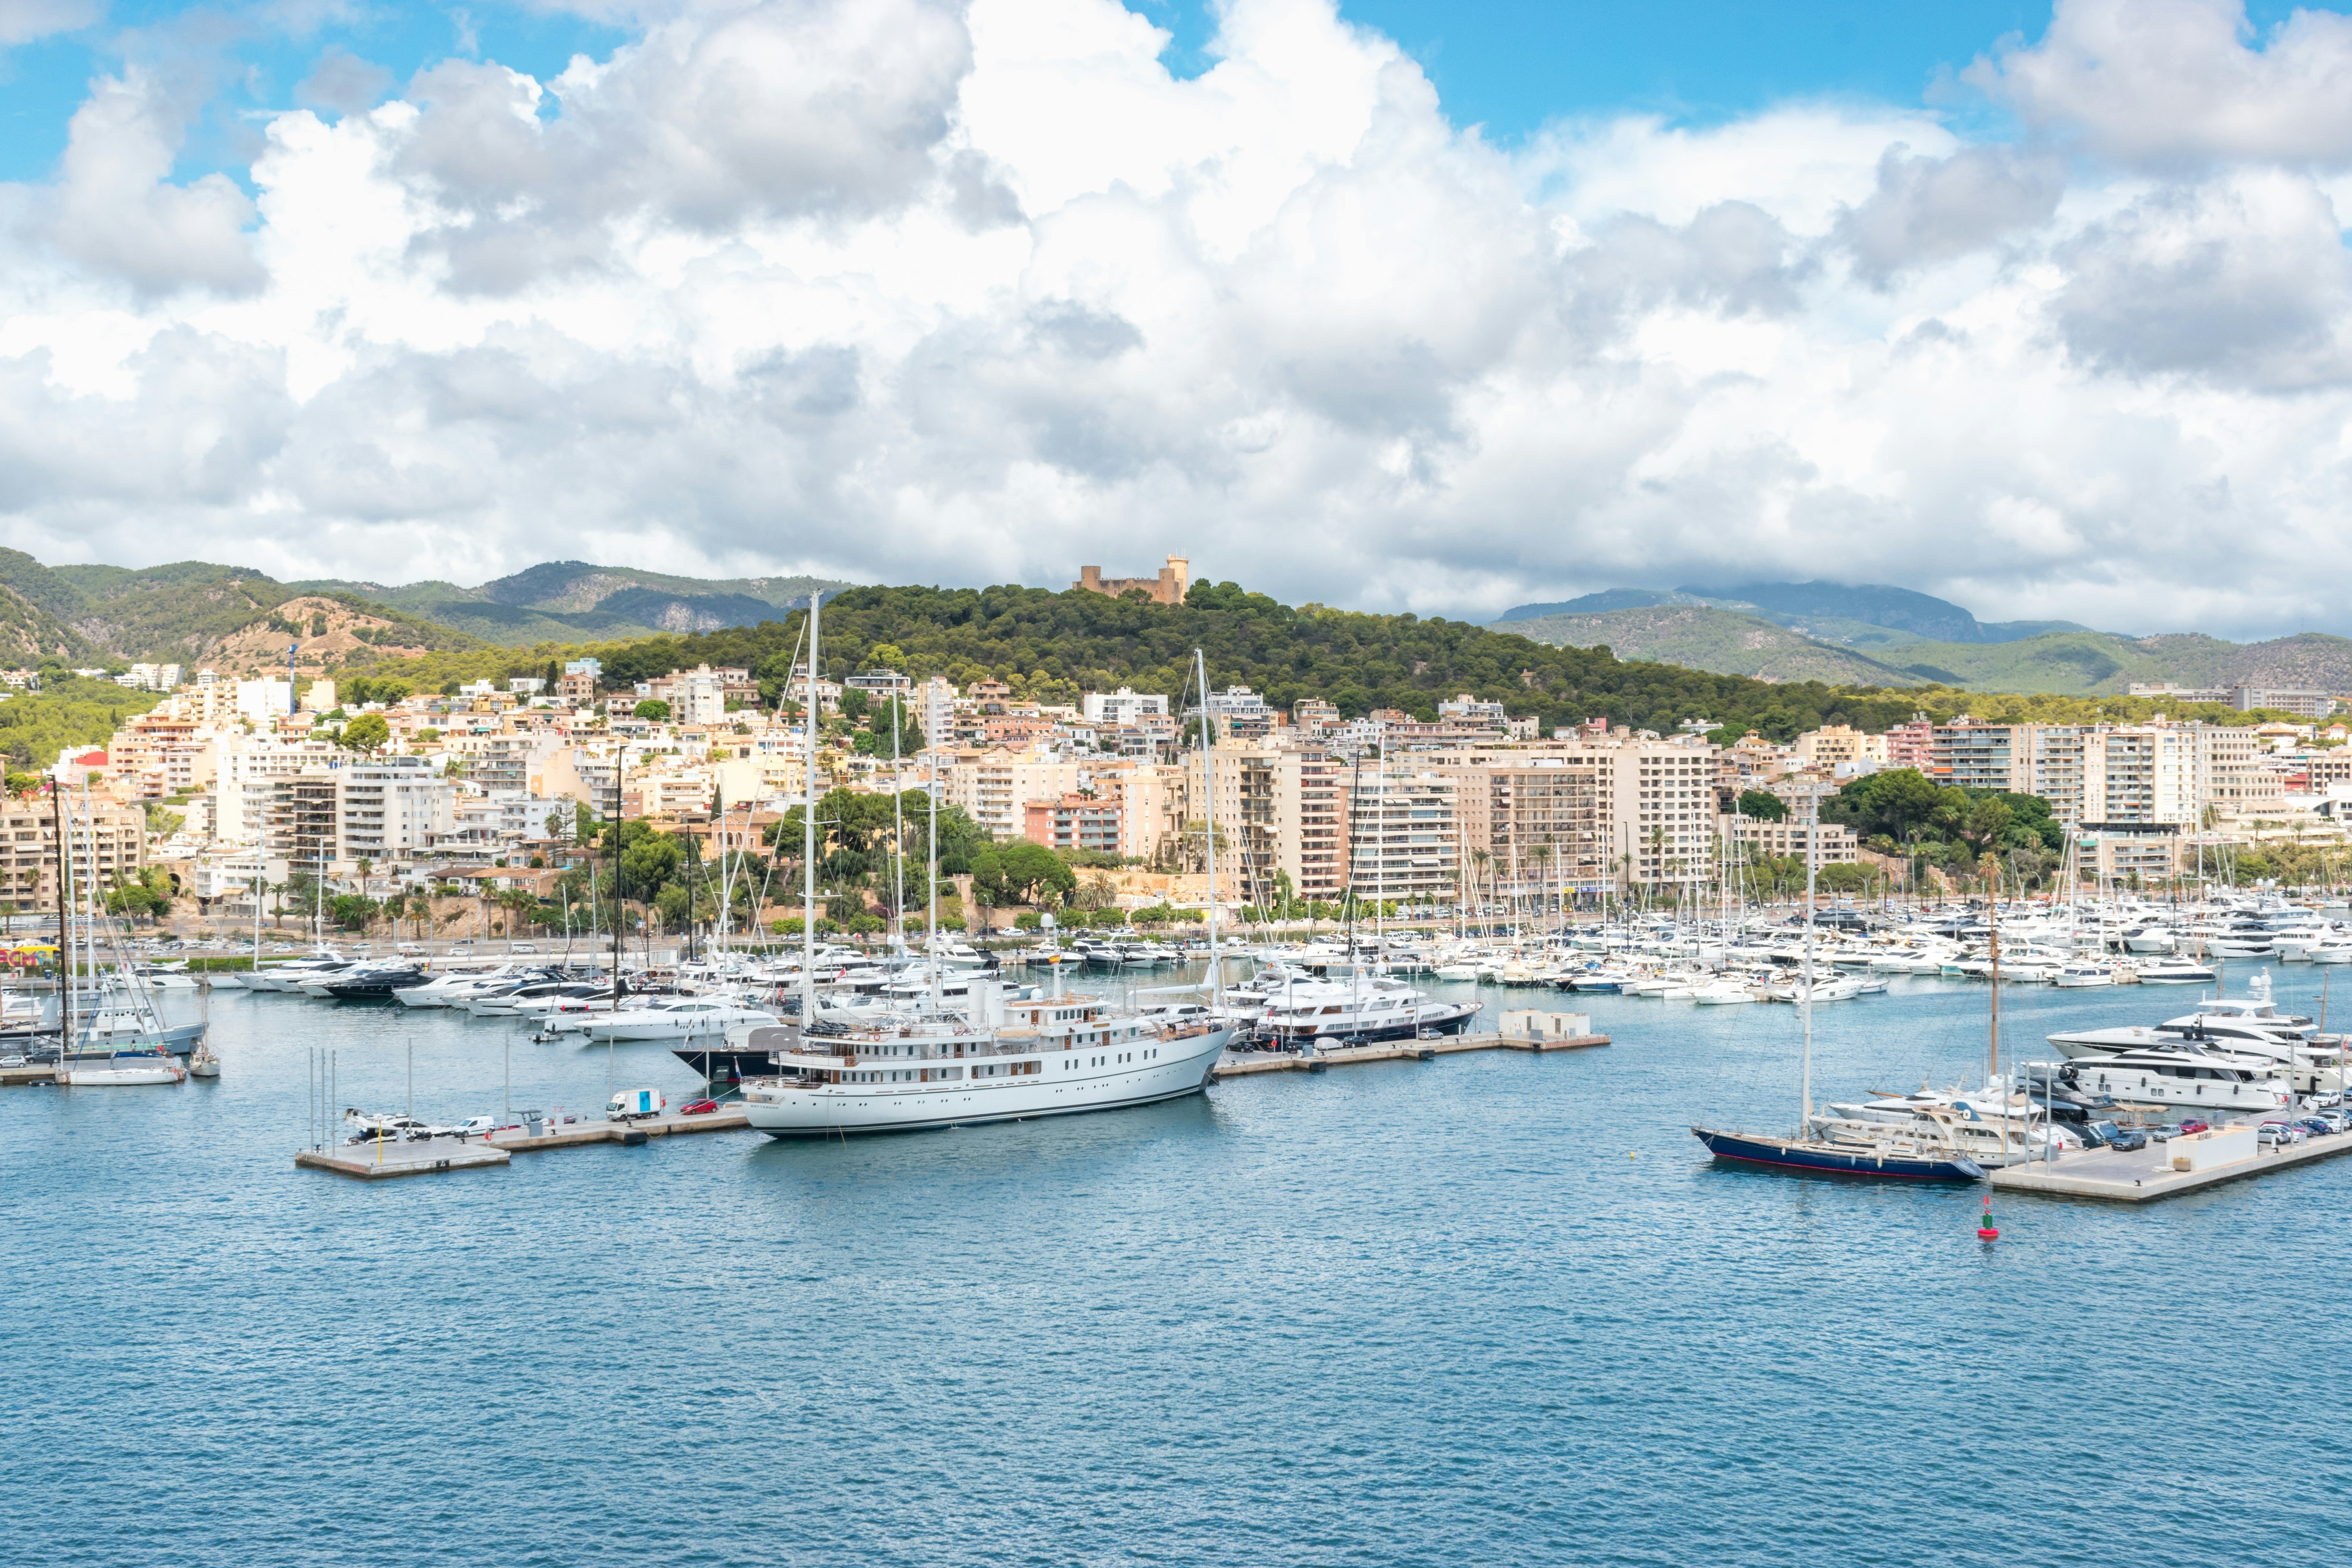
[1006, 1061]
[673, 1018]
[1366, 1007]
[2176, 972]
[2080, 977]
[2179, 1077]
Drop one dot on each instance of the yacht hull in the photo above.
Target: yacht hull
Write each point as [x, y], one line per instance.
[1817, 1160]
[784, 1110]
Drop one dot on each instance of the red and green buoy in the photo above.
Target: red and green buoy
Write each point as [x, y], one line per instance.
[1985, 1231]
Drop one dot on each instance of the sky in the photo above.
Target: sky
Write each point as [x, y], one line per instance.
[1392, 305]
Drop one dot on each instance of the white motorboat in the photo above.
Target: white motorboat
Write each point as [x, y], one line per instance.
[2189, 1079]
[672, 1018]
[1725, 992]
[1366, 1008]
[2080, 977]
[1825, 988]
[1047, 1056]
[2176, 972]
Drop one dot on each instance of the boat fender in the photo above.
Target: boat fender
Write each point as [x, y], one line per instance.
[633, 1137]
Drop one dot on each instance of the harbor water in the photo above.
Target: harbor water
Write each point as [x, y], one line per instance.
[1498, 1308]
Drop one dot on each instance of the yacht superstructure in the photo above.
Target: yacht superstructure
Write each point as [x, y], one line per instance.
[1050, 1057]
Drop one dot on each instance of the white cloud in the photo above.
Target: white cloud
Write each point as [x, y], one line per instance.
[920, 292]
[115, 209]
[2166, 81]
[22, 21]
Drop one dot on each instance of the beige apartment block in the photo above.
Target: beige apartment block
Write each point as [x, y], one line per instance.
[994, 788]
[1279, 811]
[1834, 743]
[1537, 819]
[108, 840]
[1654, 802]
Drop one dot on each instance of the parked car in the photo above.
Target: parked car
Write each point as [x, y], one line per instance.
[2113, 1136]
[13, 1061]
[2338, 1121]
[2194, 1125]
[2163, 1134]
[2315, 1126]
[2279, 1134]
[699, 1108]
[475, 1126]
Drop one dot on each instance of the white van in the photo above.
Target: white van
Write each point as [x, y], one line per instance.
[631, 1104]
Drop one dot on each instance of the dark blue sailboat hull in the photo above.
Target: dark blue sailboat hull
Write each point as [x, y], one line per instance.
[1825, 1160]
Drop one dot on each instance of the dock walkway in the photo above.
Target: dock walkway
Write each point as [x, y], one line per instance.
[1241, 1064]
[2145, 1175]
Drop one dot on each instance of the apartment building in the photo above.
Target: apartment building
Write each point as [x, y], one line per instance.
[108, 840]
[246, 772]
[1279, 812]
[1753, 838]
[994, 788]
[1404, 834]
[1537, 819]
[1655, 801]
[392, 809]
[1151, 800]
[1074, 822]
[1911, 745]
[1122, 706]
[1834, 744]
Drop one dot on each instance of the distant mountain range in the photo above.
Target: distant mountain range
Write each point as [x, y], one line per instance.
[192, 611]
[1879, 636]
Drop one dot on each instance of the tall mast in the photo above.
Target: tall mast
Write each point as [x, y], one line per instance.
[932, 851]
[64, 922]
[620, 814]
[1805, 1000]
[897, 831]
[808, 833]
[1208, 816]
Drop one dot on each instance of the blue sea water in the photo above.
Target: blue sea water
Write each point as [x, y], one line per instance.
[1492, 1308]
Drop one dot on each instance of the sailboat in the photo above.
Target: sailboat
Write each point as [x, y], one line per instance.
[110, 1024]
[1895, 1154]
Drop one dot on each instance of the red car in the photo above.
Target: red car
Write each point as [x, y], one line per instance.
[2193, 1125]
[699, 1108]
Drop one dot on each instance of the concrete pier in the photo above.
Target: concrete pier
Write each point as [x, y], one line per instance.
[573, 1134]
[2145, 1175]
[428, 1157]
[434, 1156]
[1243, 1064]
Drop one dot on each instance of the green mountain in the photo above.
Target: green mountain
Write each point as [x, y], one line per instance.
[1051, 645]
[1704, 637]
[574, 601]
[1869, 616]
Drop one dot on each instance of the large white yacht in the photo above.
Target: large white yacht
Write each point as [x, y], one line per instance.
[2188, 1078]
[666, 1018]
[1047, 1056]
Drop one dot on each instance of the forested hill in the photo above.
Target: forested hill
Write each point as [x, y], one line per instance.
[1052, 645]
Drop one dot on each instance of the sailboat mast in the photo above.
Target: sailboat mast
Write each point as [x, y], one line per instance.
[808, 833]
[931, 852]
[1805, 998]
[620, 814]
[65, 921]
[1209, 819]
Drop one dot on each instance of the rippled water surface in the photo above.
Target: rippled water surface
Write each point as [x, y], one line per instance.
[1492, 1308]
